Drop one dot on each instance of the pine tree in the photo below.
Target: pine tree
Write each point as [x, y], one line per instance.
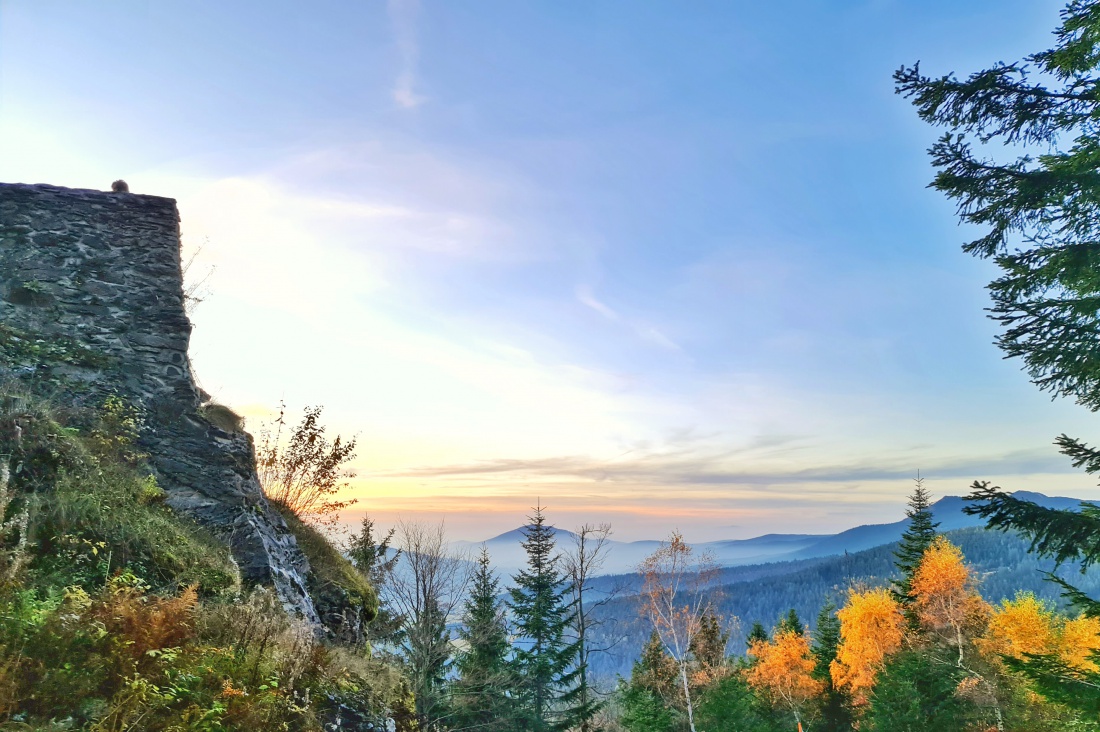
[833, 704]
[480, 692]
[916, 690]
[1042, 228]
[790, 623]
[708, 647]
[376, 561]
[650, 699]
[544, 662]
[918, 536]
[757, 633]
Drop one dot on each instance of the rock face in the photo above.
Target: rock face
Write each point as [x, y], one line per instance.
[93, 279]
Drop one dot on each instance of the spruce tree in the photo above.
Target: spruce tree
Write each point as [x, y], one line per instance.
[917, 538]
[708, 647]
[833, 704]
[544, 661]
[649, 699]
[757, 633]
[480, 693]
[376, 560]
[790, 623]
[1040, 216]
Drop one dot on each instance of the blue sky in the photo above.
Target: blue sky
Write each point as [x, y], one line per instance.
[659, 264]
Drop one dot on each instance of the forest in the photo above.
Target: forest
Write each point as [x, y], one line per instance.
[118, 613]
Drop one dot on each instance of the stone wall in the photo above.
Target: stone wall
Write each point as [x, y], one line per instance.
[93, 279]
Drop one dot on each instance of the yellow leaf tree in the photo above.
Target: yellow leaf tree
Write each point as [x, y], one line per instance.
[1027, 625]
[1021, 626]
[784, 671]
[1079, 639]
[871, 628]
[943, 595]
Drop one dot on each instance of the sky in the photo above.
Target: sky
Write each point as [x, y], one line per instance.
[664, 265]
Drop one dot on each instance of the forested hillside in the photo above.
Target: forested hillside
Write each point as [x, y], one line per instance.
[764, 593]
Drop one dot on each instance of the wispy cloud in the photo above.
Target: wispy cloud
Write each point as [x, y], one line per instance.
[644, 331]
[587, 298]
[403, 16]
[702, 468]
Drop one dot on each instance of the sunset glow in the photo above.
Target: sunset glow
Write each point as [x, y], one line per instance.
[640, 267]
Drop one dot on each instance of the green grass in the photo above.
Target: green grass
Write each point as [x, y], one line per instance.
[96, 510]
[102, 520]
[330, 570]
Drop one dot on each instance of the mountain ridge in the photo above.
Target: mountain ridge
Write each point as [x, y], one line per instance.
[623, 557]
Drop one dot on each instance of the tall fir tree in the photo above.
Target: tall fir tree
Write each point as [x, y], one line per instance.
[790, 623]
[833, 704]
[376, 560]
[545, 660]
[918, 536]
[648, 699]
[1041, 226]
[480, 693]
[757, 633]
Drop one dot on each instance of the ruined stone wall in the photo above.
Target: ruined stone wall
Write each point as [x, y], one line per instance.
[93, 279]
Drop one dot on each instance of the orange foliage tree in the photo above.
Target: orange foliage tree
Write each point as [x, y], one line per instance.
[784, 671]
[943, 595]
[871, 628]
[305, 471]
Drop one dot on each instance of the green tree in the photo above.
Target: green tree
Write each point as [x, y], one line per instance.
[790, 623]
[376, 560]
[916, 692]
[731, 704]
[757, 633]
[918, 536]
[708, 647]
[480, 692]
[833, 704]
[1040, 214]
[649, 699]
[644, 711]
[545, 660]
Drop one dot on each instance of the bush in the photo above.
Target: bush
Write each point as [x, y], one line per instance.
[118, 614]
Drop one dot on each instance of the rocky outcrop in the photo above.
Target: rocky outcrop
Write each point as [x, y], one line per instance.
[91, 304]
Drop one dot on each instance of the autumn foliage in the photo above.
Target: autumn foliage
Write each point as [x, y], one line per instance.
[1026, 625]
[871, 627]
[784, 669]
[677, 599]
[944, 596]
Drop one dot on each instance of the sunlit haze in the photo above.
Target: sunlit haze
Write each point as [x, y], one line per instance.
[649, 267]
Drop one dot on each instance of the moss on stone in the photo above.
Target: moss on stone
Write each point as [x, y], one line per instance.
[333, 580]
[96, 510]
[21, 348]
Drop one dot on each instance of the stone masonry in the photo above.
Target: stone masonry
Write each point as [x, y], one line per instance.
[100, 271]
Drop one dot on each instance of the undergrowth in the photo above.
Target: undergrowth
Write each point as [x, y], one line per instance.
[118, 614]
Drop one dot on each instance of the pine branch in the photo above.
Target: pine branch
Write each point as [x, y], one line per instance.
[1062, 534]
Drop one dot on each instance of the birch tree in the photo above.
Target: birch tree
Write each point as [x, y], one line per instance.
[676, 597]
